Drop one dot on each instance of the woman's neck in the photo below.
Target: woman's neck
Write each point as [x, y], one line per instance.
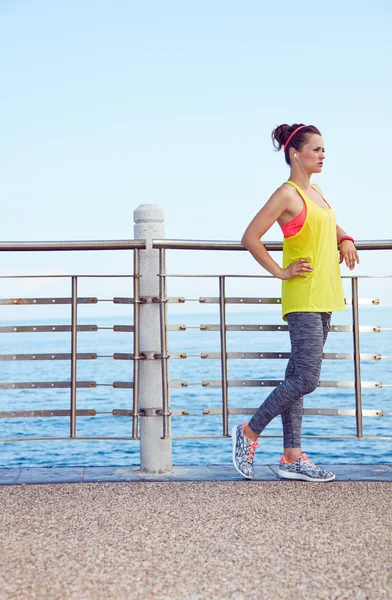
[300, 178]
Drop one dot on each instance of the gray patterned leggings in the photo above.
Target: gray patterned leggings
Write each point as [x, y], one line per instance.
[308, 333]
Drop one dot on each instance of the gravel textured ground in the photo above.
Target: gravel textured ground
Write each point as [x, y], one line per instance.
[196, 540]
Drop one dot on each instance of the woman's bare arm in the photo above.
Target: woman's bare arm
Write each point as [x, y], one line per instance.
[347, 251]
[278, 203]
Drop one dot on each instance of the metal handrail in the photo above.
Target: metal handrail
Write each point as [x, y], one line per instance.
[271, 246]
[179, 244]
[72, 245]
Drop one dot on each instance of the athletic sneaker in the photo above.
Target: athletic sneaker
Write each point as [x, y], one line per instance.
[243, 451]
[303, 469]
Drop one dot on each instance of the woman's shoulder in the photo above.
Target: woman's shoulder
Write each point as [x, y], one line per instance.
[286, 191]
[284, 194]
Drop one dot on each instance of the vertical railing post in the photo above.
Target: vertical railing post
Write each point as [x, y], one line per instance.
[136, 341]
[222, 313]
[357, 356]
[155, 452]
[74, 330]
[163, 334]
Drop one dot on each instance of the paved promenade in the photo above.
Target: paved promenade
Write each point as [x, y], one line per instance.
[220, 472]
[208, 535]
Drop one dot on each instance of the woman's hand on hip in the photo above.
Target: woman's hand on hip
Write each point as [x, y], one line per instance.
[298, 268]
[349, 254]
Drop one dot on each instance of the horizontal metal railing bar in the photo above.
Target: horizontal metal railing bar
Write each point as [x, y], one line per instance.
[65, 276]
[38, 413]
[255, 300]
[265, 355]
[123, 356]
[382, 438]
[124, 412]
[46, 328]
[233, 300]
[124, 300]
[211, 327]
[72, 245]
[230, 355]
[168, 275]
[124, 328]
[331, 412]
[130, 300]
[26, 385]
[35, 385]
[77, 245]
[66, 439]
[37, 301]
[21, 414]
[251, 276]
[192, 437]
[207, 245]
[270, 383]
[271, 246]
[35, 357]
[215, 300]
[143, 356]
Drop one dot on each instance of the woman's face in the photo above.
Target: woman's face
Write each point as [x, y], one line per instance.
[312, 154]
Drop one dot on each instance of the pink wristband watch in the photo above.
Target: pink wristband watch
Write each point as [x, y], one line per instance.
[346, 237]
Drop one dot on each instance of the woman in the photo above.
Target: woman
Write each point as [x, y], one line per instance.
[311, 290]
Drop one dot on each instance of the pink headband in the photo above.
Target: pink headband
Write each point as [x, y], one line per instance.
[290, 136]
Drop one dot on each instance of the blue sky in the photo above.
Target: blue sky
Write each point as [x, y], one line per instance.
[108, 105]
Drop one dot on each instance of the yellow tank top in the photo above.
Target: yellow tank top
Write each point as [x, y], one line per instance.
[322, 289]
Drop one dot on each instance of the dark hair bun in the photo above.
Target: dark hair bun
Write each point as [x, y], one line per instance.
[280, 135]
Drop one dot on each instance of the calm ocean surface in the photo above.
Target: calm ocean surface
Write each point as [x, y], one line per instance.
[195, 397]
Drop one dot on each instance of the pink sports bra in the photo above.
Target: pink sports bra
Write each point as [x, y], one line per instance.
[295, 225]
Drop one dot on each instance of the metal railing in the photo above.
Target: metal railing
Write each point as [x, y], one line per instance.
[165, 244]
[163, 355]
[74, 300]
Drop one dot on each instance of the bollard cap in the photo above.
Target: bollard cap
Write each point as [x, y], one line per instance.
[149, 213]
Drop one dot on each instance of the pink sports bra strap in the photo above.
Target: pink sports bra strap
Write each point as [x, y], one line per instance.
[295, 225]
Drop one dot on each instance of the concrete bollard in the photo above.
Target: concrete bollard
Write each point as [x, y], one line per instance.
[155, 453]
